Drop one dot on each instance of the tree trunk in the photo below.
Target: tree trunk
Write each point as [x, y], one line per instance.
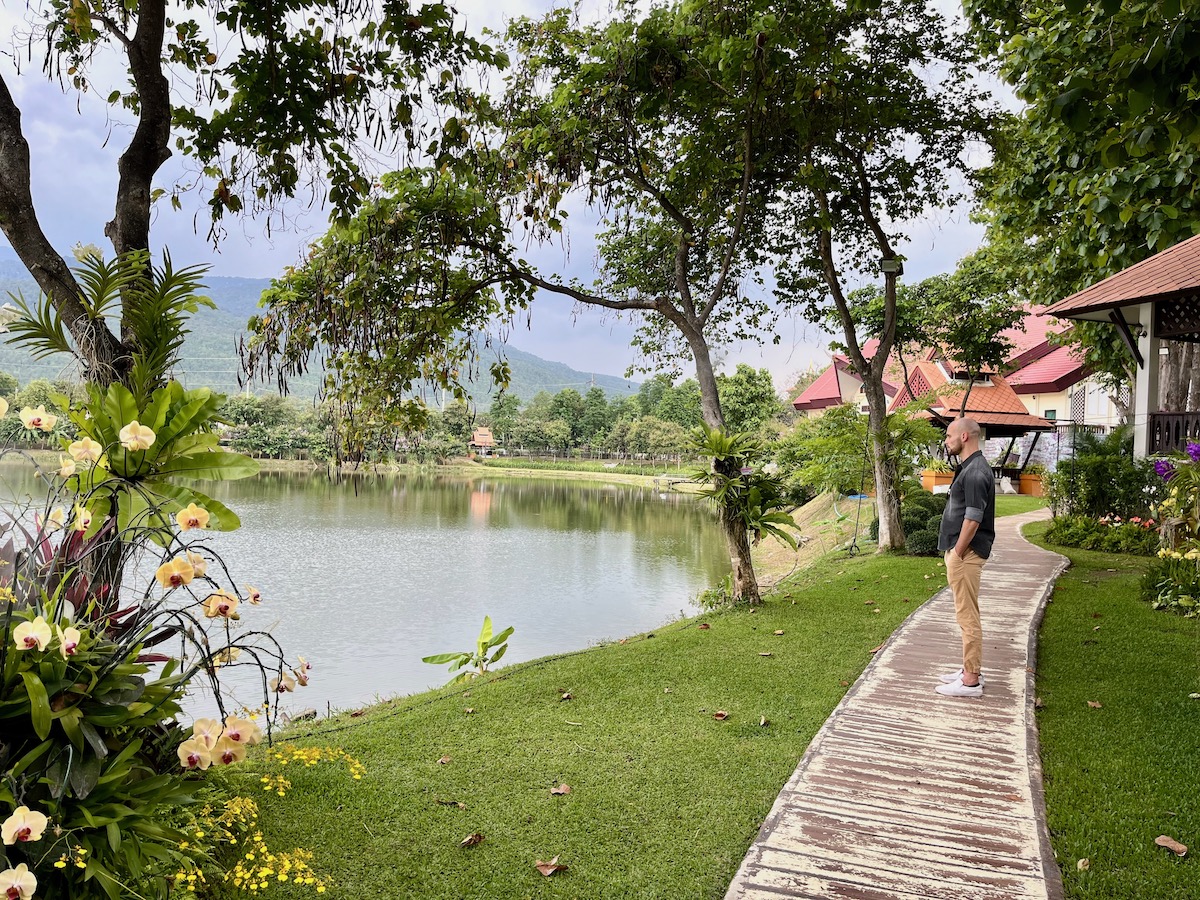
[887, 477]
[737, 539]
[1176, 376]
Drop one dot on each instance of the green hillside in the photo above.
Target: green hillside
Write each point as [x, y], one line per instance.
[210, 355]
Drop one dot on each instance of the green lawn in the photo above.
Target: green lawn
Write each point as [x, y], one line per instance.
[665, 799]
[1015, 504]
[1120, 775]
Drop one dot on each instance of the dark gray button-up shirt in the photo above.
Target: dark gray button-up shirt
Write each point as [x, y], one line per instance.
[972, 496]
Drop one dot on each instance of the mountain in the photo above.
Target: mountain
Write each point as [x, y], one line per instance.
[210, 351]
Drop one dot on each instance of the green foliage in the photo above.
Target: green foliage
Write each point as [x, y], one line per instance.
[921, 542]
[142, 487]
[748, 398]
[738, 485]
[1173, 584]
[1108, 534]
[1103, 478]
[474, 663]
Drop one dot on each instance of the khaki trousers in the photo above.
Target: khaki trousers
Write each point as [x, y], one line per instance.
[963, 576]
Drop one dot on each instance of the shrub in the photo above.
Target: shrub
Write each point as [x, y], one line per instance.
[1104, 478]
[1109, 534]
[874, 529]
[1173, 582]
[922, 543]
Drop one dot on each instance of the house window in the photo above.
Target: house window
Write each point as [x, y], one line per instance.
[1051, 414]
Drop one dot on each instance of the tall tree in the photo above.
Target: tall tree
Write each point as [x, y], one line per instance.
[748, 398]
[283, 91]
[714, 140]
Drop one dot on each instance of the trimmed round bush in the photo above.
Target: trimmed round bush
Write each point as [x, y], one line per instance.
[922, 543]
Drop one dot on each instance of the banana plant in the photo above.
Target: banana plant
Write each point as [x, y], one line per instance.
[138, 464]
[475, 663]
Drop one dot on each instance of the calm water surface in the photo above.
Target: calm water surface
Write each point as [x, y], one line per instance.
[366, 575]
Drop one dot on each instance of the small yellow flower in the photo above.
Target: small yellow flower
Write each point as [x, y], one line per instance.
[57, 519]
[85, 450]
[253, 595]
[135, 436]
[221, 603]
[18, 883]
[83, 518]
[175, 573]
[198, 563]
[227, 752]
[192, 516]
[29, 635]
[66, 467]
[24, 825]
[38, 419]
[194, 755]
[225, 657]
[68, 641]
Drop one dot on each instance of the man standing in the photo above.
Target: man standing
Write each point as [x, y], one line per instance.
[967, 531]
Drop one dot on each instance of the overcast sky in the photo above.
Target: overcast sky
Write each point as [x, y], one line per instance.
[75, 142]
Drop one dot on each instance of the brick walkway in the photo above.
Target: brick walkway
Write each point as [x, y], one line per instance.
[908, 795]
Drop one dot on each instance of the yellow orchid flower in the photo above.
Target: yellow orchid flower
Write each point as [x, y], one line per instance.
[175, 573]
[83, 518]
[29, 635]
[18, 883]
[221, 603]
[207, 732]
[68, 641]
[198, 563]
[66, 467]
[24, 825]
[284, 684]
[194, 755]
[57, 519]
[253, 595]
[225, 657]
[228, 752]
[192, 516]
[136, 436]
[242, 731]
[38, 419]
[85, 450]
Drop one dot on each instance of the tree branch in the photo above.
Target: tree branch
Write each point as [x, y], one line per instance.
[18, 220]
[829, 271]
[738, 222]
[112, 28]
[888, 335]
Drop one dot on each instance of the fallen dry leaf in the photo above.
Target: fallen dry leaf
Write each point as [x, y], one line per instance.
[466, 693]
[868, 602]
[549, 867]
[1171, 844]
[1083, 865]
[766, 653]
[623, 641]
[560, 790]
[470, 710]
[876, 609]
[704, 626]
[763, 721]
[567, 695]
[1095, 704]
[1096, 628]
[443, 760]
[471, 840]
[576, 724]
[1039, 703]
[780, 631]
[1015, 798]
[457, 803]
[720, 715]
[666, 690]
[876, 649]
[845, 684]
[1194, 696]
[357, 713]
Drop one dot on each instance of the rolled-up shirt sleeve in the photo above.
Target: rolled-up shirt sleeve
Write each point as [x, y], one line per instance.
[976, 494]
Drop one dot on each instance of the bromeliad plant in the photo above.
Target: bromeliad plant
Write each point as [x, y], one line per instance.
[474, 663]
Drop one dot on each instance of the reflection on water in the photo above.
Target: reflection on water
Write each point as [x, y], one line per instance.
[366, 574]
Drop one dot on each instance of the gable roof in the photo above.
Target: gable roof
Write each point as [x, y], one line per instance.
[822, 393]
[1170, 273]
[992, 403]
[482, 437]
[1056, 371]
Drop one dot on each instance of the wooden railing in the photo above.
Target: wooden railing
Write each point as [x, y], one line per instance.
[1172, 431]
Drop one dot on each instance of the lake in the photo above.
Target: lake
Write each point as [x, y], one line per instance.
[365, 575]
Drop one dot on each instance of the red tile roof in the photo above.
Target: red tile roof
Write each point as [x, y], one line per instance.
[822, 393]
[993, 404]
[1056, 371]
[1173, 271]
[1034, 341]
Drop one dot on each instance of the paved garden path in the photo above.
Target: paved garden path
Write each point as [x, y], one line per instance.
[908, 795]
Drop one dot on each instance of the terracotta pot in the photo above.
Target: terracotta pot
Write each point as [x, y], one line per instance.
[1031, 485]
[931, 479]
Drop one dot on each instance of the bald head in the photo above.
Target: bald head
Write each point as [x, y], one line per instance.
[962, 437]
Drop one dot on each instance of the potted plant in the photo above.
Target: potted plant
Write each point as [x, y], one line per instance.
[1031, 480]
[937, 472]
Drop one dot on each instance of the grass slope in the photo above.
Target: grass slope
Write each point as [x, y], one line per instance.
[664, 798]
[1120, 775]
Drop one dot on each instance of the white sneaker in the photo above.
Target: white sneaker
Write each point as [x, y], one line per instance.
[951, 677]
[958, 689]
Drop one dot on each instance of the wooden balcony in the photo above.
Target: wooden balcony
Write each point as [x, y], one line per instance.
[1172, 431]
